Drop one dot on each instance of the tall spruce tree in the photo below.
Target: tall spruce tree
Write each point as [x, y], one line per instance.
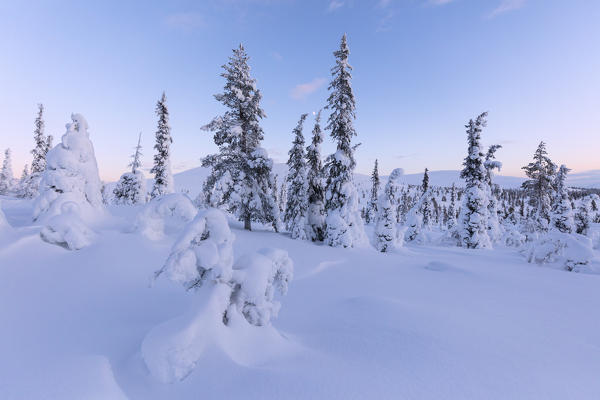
[344, 223]
[241, 171]
[39, 151]
[426, 206]
[163, 177]
[131, 187]
[539, 187]
[473, 218]
[493, 190]
[297, 201]
[386, 225]
[6, 174]
[562, 212]
[316, 206]
[451, 222]
[372, 206]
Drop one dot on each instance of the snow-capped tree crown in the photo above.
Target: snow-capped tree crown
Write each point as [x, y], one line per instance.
[163, 178]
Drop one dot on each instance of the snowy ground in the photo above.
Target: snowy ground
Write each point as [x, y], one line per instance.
[424, 323]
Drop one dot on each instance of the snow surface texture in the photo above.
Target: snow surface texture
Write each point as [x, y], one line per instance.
[420, 323]
[71, 175]
[165, 214]
[234, 300]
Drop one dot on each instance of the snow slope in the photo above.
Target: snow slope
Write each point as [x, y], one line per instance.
[423, 323]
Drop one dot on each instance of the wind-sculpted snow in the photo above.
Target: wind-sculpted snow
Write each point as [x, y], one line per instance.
[165, 215]
[67, 229]
[234, 299]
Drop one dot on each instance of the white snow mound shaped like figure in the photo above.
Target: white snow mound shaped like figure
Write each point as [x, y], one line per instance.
[165, 215]
[233, 305]
[71, 175]
[67, 229]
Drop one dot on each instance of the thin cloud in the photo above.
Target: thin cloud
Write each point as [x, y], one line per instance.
[506, 6]
[334, 5]
[187, 21]
[440, 2]
[301, 91]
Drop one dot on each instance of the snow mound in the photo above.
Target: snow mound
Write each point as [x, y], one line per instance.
[67, 229]
[234, 305]
[165, 215]
[573, 252]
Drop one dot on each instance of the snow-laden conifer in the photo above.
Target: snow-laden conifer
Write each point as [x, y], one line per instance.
[71, 175]
[6, 174]
[539, 189]
[242, 170]
[344, 225]
[386, 225]
[451, 221]
[582, 218]
[562, 212]
[131, 187]
[426, 200]
[491, 164]
[316, 207]
[297, 202]
[474, 214]
[163, 177]
[371, 212]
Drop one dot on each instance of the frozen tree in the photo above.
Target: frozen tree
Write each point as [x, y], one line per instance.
[344, 226]
[241, 171]
[316, 206]
[473, 218]
[131, 187]
[386, 225]
[6, 174]
[38, 164]
[582, 218]
[297, 201]
[234, 298]
[425, 202]
[539, 187]
[163, 178]
[71, 175]
[491, 164]
[562, 212]
[451, 222]
[371, 212]
[282, 197]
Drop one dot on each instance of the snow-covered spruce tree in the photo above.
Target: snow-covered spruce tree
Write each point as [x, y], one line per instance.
[386, 225]
[38, 164]
[473, 217]
[6, 174]
[582, 218]
[297, 202]
[344, 225]
[539, 188]
[242, 170]
[23, 181]
[282, 197]
[562, 212]
[316, 207]
[451, 221]
[426, 206]
[131, 187]
[372, 206]
[163, 178]
[71, 175]
[234, 304]
[491, 164]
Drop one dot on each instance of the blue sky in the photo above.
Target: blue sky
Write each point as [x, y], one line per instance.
[422, 68]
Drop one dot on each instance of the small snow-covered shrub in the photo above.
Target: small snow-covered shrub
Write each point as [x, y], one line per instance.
[67, 229]
[233, 300]
[165, 214]
[511, 237]
[130, 189]
[571, 251]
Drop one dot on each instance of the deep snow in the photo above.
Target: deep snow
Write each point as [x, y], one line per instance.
[421, 323]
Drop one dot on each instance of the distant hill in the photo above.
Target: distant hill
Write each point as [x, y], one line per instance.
[192, 179]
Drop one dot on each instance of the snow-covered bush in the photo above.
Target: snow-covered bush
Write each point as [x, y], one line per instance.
[512, 237]
[573, 252]
[386, 228]
[165, 214]
[67, 229]
[130, 189]
[233, 299]
[71, 175]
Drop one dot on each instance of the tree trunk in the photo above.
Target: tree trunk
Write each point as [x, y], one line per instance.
[247, 224]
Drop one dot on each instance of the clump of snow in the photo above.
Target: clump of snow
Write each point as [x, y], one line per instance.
[165, 215]
[233, 300]
[67, 229]
[573, 252]
[71, 175]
